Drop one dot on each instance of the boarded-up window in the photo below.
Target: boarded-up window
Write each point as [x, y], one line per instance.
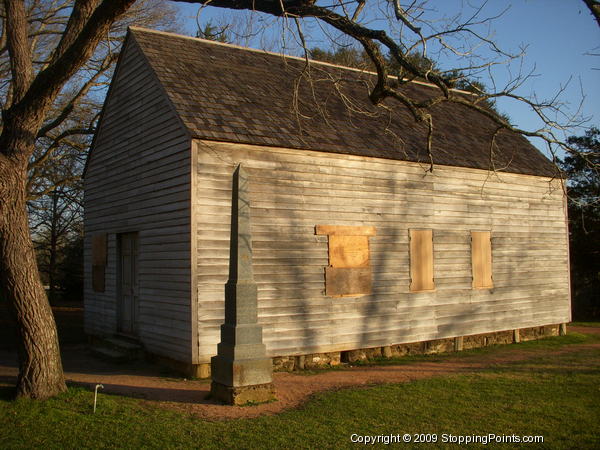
[421, 260]
[98, 262]
[349, 271]
[348, 251]
[481, 259]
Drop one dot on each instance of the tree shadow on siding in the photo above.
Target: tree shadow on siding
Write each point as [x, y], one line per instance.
[301, 325]
[385, 263]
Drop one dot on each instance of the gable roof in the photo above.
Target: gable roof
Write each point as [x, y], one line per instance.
[227, 93]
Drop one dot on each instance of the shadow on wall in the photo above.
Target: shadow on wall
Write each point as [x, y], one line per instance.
[294, 261]
[390, 314]
[376, 316]
[403, 316]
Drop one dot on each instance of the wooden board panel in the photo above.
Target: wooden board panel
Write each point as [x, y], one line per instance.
[363, 167]
[348, 251]
[348, 281]
[99, 249]
[343, 230]
[421, 260]
[481, 259]
[98, 278]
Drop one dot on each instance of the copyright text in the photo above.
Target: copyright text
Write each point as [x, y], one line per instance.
[425, 438]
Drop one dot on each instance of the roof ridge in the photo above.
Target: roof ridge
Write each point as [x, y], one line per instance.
[283, 55]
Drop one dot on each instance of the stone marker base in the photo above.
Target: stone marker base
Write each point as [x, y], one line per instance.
[242, 395]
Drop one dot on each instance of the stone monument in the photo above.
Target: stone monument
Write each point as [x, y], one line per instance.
[241, 372]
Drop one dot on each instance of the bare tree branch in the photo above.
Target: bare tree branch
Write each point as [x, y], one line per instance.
[594, 7]
[35, 101]
[82, 11]
[109, 60]
[18, 48]
[53, 187]
[358, 10]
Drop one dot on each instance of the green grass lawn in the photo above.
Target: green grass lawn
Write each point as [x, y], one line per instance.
[556, 396]
[533, 346]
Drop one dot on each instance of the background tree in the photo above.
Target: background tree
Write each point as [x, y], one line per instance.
[56, 223]
[213, 33]
[55, 191]
[584, 223]
[53, 79]
[348, 56]
[38, 84]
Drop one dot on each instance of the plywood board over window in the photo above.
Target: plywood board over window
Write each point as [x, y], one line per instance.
[421, 260]
[349, 271]
[99, 257]
[481, 259]
[348, 251]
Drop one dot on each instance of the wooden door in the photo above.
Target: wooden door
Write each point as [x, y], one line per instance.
[127, 302]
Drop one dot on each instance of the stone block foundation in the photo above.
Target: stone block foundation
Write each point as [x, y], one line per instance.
[332, 359]
[322, 360]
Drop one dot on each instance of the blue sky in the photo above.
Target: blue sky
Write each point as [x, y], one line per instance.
[559, 36]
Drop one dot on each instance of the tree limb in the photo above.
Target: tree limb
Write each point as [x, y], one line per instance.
[594, 7]
[29, 111]
[82, 11]
[83, 91]
[18, 48]
[35, 195]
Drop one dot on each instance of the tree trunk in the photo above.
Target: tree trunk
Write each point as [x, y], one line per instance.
[40, 368]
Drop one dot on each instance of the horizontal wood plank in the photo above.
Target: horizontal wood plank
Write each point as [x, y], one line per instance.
[293, 192]
[341, 230]
[138, 180]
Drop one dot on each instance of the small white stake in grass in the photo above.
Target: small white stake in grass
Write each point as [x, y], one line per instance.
[96, 395]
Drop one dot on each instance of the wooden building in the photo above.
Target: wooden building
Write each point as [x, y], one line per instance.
[357, 244]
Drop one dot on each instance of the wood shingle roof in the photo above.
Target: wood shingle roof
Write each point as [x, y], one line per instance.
[227, 93]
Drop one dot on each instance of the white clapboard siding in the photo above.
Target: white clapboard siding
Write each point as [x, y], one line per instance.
[291, 191]
[138, 180]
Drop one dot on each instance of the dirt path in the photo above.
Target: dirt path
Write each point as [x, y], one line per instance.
[145, 381]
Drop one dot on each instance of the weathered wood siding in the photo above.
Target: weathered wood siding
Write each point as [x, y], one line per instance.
[292, 191]
[138, 180]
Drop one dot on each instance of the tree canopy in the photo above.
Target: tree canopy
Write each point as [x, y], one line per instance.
[584, 222]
